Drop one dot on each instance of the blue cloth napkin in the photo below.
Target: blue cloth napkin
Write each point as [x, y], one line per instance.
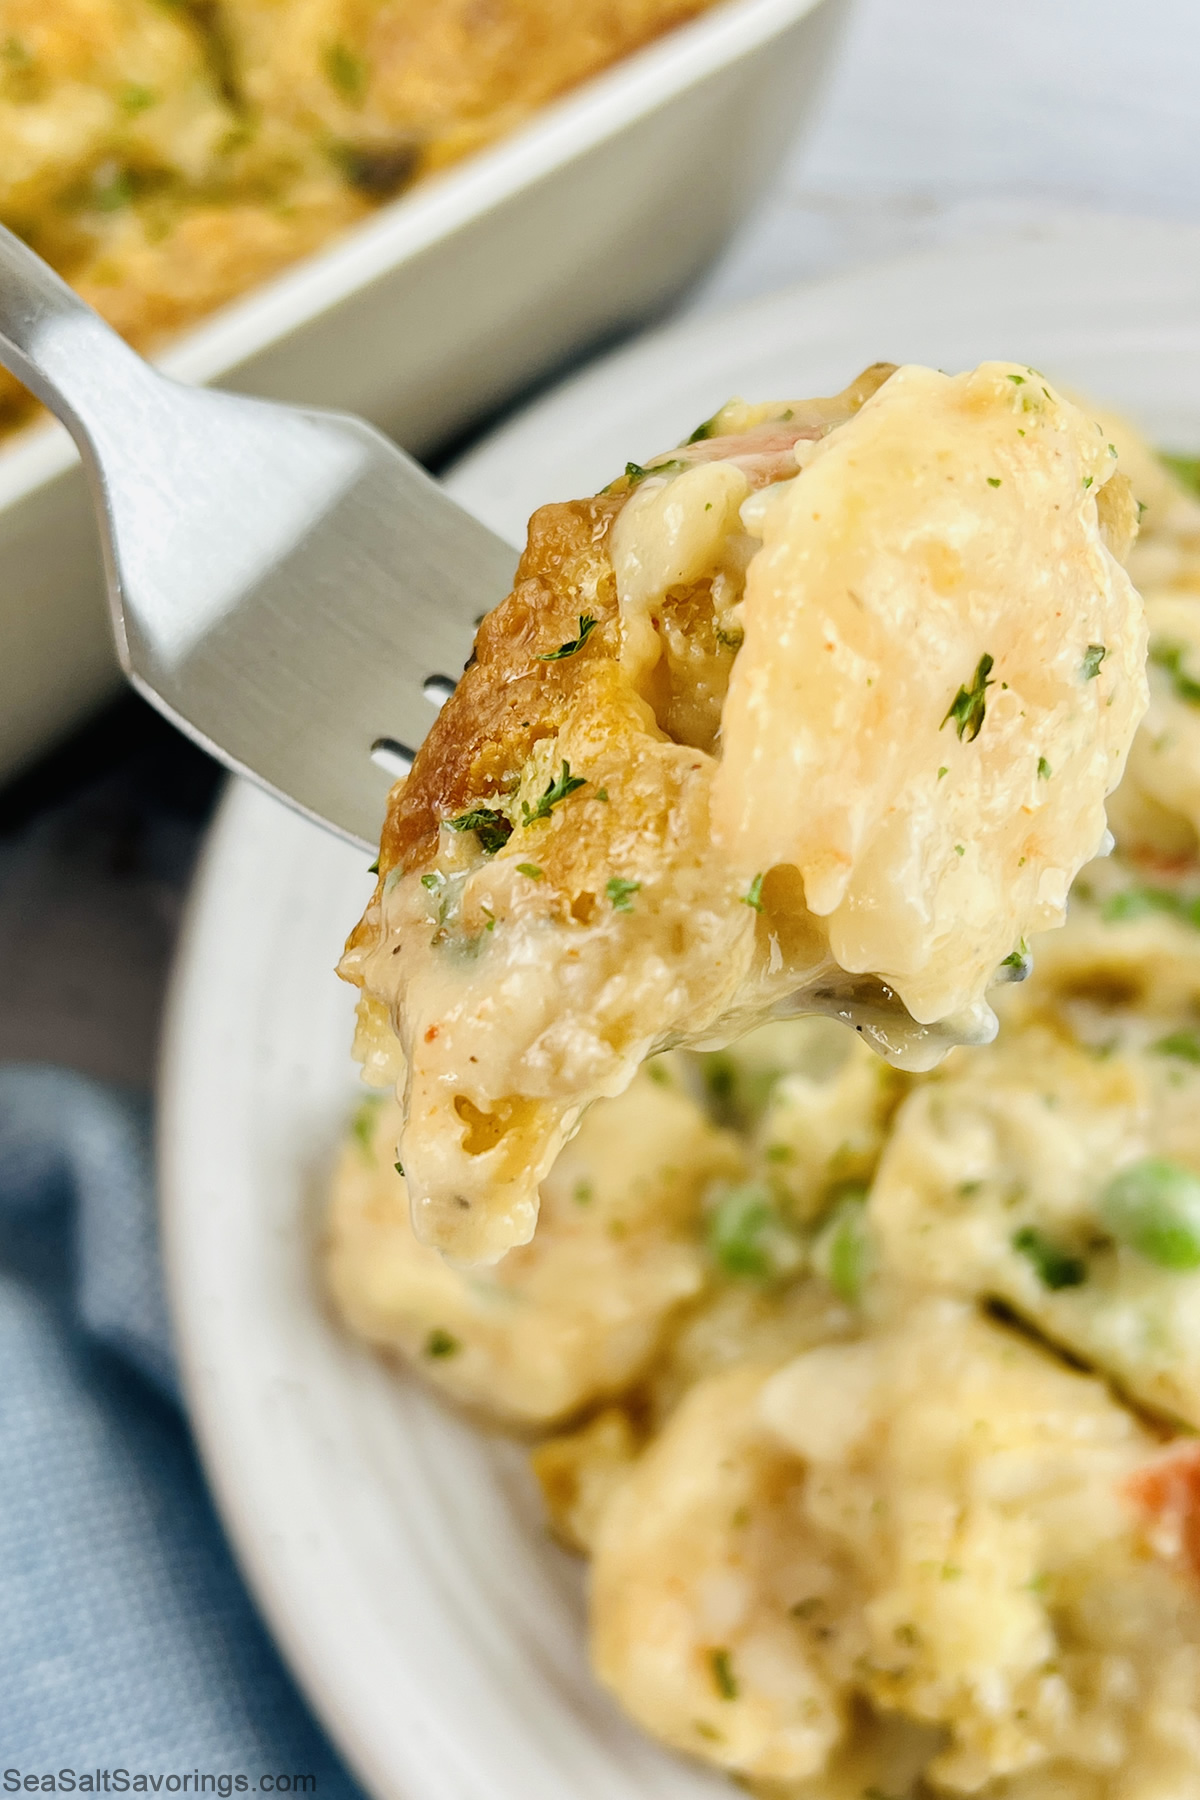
[127, 1641]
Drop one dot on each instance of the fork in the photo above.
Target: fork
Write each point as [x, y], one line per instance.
[290, 588]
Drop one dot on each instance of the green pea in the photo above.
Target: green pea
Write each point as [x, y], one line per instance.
[1154, 1207]
[746, 1235]
[739, 1229]
[1056, 1267]
[843, 1250]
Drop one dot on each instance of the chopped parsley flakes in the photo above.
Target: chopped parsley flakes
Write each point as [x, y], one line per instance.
[380, 173]
[621, 893]
[1170, 658]
[707, 430]
[530, 869]
[1093, 656]
[439, 1343]
[1044, 769]
[724, 1679]
[345, 71]
[1019, 961]
[362, 1125]
[969, 706]
[136, 99]
[116, 192]
[586, 627]
[753, 895]
[563, 784]
[993, 481]
[1183, 1044]
[491, 827]
[1056, 1268]
[634, 472]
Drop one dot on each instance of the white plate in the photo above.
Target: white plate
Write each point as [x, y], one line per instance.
[441, 305]
[398, 1553]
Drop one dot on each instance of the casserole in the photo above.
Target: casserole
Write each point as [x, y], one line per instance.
[400, 1554]
[441, 306]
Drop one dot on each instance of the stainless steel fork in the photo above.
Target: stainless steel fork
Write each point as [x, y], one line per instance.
[288, 586]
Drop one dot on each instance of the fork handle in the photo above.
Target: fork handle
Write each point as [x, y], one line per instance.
[61, 349]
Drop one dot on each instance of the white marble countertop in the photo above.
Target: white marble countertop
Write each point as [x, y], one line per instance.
[949, 117]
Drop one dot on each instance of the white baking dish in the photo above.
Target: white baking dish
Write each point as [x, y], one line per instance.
[443, 304]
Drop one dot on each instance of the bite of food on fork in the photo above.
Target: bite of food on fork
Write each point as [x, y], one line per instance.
[815, 713]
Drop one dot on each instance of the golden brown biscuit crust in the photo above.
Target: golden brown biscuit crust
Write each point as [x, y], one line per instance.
[508, 697]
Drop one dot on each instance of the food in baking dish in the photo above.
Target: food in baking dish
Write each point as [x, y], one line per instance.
[164, 158]
[403, 88]
[816, 713]
[872, 1394]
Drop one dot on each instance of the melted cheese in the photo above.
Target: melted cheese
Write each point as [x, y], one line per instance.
[575, 1316]
[902, 1527]
[836, 740]
[951, 527]
[849, 1534]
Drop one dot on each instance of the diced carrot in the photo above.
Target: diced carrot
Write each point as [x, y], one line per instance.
[1167, 1491]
